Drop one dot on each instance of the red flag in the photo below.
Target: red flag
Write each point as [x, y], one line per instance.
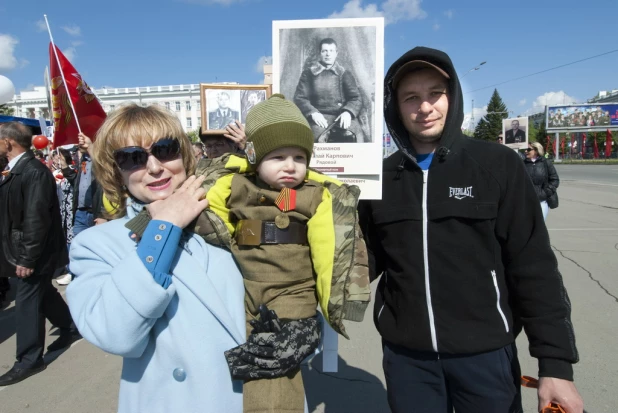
[583, 148]
[562, 143]
[90, 114]
[547, 144]
[596, 147]
[608, 144]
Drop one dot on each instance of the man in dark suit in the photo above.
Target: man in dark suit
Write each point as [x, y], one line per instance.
[515, 134]
[224, 115]
[33, 247]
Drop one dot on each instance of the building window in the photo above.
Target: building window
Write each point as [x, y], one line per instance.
[177, 106]
[167, 105]
[189, 123]
[199, 105]
[188, 105]
[199, 122]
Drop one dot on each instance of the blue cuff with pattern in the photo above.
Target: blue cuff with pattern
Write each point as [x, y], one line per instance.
[157, 250]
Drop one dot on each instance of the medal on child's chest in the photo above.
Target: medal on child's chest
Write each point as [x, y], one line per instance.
[286, 201]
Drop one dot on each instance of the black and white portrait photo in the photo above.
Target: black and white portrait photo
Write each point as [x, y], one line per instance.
[224, 104]
[223, 107]
[333, 70]
[515, 132]
[248, 99]
[330, 73]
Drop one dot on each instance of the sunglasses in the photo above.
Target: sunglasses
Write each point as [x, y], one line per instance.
[529, 149]
[135, 157]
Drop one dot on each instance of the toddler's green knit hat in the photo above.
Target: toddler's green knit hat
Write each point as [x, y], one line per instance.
[276, 123]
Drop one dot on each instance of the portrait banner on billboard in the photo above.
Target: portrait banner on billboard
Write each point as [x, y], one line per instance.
[333, 70]
[515, 132]
[582, 118]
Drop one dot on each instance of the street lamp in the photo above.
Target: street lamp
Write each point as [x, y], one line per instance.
[474, 68]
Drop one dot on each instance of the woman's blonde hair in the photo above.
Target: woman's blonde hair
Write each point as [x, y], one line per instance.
[133, 125]
[538, 148]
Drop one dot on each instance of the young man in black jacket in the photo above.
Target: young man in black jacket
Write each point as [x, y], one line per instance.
[465, 259]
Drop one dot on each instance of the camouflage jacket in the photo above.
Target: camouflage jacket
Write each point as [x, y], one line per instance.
[340, 264]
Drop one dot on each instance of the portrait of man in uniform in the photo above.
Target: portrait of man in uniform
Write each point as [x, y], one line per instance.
[248, 99]
[226, 109]
[329, 97]
[515, 135]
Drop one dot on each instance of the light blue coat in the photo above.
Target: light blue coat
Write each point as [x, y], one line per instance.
[172, 341]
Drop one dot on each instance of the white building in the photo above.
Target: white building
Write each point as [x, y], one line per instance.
[183, 100]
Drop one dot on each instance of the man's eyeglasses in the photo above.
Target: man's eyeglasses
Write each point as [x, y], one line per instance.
[134, 157]
[213, 146]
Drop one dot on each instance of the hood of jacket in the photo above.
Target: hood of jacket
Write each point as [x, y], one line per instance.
[454, 119]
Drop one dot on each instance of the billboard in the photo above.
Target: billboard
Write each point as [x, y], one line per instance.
[588, 117]
[515, 132]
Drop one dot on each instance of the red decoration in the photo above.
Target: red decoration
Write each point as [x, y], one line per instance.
[40, 141]
[608, 144]
[286, 201]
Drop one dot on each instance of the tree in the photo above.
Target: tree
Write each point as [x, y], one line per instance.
[5, 110]
[541, 135]
[482, 129]
[532, 131]
[194, 135]
[490, 125]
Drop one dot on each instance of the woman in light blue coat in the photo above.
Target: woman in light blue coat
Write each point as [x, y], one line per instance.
[167, 302]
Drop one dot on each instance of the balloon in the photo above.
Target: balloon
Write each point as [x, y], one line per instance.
[40, 141]
[7, 90]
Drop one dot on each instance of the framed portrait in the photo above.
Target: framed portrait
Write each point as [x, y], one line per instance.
[333, 70]
[515, 132]
[224, 104]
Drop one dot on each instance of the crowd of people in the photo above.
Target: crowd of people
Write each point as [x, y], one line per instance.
[203, 266]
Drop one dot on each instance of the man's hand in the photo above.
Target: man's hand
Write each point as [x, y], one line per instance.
[183, 206]
[23, 272]
[319, 119]
[85, 143]
[560, 391]
[236, 133]
[345, 120]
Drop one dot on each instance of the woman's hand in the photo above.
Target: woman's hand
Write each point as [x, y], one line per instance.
[183, 206]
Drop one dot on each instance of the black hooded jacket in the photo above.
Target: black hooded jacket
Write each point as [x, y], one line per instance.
[463, 247]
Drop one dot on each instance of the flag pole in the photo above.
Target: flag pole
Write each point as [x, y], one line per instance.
[62, 73]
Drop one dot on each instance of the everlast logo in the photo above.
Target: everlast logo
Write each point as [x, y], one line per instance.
[460, 193]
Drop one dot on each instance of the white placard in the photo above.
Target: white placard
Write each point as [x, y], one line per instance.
[333, 69]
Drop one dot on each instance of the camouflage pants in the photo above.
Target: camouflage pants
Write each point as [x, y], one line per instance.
[284, 394]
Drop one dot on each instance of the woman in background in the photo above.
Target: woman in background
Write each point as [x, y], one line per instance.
[543, 174]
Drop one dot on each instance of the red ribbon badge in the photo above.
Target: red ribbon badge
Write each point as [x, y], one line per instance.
[286, 201]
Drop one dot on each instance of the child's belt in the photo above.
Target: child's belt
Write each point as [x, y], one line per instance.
[256, 232]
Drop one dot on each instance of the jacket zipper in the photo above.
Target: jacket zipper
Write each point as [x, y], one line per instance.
[432, 324]
[385, 284]
[506, 325]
